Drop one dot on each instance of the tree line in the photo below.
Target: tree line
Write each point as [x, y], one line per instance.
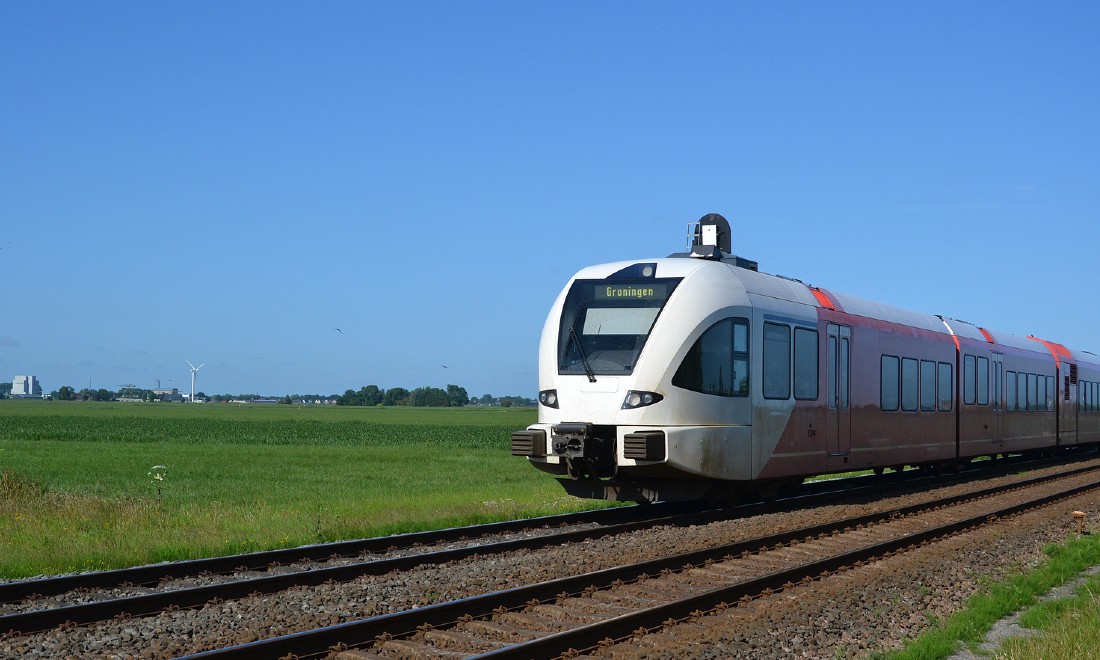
[453, 397]
[422, 397]
[370, 395]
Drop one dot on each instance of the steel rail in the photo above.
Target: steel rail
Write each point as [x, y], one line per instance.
[154, 573]
[148, 604]
[358, 633]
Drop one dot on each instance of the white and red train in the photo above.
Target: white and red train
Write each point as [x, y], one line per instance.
[697, 376]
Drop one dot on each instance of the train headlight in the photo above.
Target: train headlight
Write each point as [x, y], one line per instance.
[549, 398]
[636, 399]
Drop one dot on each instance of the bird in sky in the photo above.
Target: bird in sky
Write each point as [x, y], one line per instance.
[338, 330]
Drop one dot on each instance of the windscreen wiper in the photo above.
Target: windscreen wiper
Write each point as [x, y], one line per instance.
[584, 358]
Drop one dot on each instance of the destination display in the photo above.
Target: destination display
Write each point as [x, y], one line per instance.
[648, 291]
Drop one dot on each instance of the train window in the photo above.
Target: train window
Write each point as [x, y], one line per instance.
[910, 384]
[1032, 393]
[805, 364]
[927, 386]
[983, 381]
[604, 326]
[1041, 394]
[1021, 392]
[1010, 390]
[970, 368]
[831, 381]
[718, 362]
[741, 339]
[946, 386]
[890, 382]
[1050, 393]
[842, 375]
[777, 361]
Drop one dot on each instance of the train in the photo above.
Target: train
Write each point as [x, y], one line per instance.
[696, 376]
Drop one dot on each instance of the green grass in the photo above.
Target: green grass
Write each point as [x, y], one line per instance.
[969, 626]
[76, 493]
[1070, 627]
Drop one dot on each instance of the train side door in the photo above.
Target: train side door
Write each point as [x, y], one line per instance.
[996, 426]
[1067, 411]
[838, 361]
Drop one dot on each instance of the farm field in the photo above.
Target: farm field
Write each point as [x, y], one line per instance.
[79, 491]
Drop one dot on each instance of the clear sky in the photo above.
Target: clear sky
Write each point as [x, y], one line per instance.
[227, 182]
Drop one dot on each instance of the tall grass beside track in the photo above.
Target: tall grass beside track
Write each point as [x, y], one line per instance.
[76, 491]
[1070, 627]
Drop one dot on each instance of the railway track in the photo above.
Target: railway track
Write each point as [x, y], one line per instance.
[36, 605]
[146, 590]
[583, 612]
[547, 532]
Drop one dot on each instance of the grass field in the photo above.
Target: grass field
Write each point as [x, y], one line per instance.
[77, 493]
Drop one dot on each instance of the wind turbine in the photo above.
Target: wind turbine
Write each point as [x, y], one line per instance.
[194, 370]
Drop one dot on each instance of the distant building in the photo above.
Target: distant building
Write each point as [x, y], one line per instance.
[26, 387]
[168, 394]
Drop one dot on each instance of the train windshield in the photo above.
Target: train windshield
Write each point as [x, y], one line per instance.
[605, 324]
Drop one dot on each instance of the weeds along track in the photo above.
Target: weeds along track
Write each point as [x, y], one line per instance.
[447, 594]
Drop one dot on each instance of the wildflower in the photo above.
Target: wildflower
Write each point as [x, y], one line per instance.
[157, 472]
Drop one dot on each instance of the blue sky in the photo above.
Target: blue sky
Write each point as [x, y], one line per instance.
[226, 183]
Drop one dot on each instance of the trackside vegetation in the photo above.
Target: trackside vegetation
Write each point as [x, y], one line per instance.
[88, 486]
[1067, 624]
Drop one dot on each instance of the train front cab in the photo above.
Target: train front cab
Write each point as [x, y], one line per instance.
[689, 425]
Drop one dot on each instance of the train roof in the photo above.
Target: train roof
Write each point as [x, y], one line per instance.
[710, 240]
[934, 323]
[777, 286]
[794, 290]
